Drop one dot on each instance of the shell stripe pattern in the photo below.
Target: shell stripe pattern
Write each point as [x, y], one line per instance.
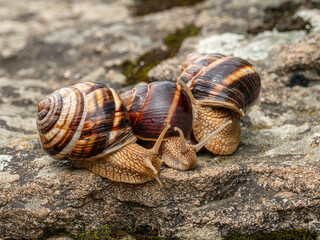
[151, 107]
[225, 81]
[194, 63]
[43, 116]
[174, 104]
[62, 137]
[101, 123]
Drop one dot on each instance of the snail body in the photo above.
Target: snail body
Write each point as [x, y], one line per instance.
[88, 125]
[222, 88]
[161, 103]
[151, 107]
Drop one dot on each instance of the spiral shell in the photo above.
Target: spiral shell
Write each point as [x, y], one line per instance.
[85, 121]
[152, 107]
[222, 81]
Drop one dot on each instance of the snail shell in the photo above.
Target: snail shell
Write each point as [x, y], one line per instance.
[88, 125]
[224, 81]
[224, 87]
[85, 121]
[151, 107]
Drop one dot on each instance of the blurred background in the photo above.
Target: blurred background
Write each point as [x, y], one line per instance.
[119, 42]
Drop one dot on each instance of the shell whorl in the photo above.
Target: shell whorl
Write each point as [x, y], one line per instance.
[151, 107]
[222, 81]
[84, 121]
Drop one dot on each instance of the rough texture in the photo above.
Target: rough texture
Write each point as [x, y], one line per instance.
[272, 182]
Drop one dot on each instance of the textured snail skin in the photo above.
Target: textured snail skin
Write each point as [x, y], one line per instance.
[224, 88]
[88, 125]
[151, 107]
[121, 167]
[173, 158]
[208, 120]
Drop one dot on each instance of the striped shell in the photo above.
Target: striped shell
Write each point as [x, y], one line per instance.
[222, 81]
[151, 107]
[84, 121]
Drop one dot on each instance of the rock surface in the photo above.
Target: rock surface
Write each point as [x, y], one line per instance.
[272, 182]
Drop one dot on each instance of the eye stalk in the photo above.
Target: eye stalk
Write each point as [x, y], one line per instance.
[156, 147]
[201, 144]
[182, 141]
[186, 158]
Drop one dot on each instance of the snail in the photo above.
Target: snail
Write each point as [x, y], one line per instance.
[151, 107]
[221, 88]
[88, 125]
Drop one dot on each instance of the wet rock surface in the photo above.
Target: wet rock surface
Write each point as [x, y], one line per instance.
[272, 182]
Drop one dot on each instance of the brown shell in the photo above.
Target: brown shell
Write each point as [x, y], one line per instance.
[219, 80]
[151, 107]
[85, 121]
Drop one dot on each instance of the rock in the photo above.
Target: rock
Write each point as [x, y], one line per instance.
[114, 79]
[166, 70]
[204, 233]
[312, 16]
[300, 58]
[270, 183]
[255, 49]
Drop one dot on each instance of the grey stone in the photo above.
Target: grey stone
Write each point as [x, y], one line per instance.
[256, 49]
[312, 16]
[270, 183]
[205, 233]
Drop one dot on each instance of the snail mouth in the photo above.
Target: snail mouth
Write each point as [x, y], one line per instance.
[43, 108]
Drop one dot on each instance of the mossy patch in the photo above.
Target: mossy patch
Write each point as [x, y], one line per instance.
[259, 127]
[281, 18]
[173, 41]
[143, 7]
[110, 232]
[291, 234]
[306, 112]
[136, 72]
[104, 232]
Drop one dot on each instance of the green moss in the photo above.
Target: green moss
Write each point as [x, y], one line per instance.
[110, 232]
[173, 41]
[96, 234]
[292, 234]
[307, 112]
[136, 72]
[143, 7]
[259, 127]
